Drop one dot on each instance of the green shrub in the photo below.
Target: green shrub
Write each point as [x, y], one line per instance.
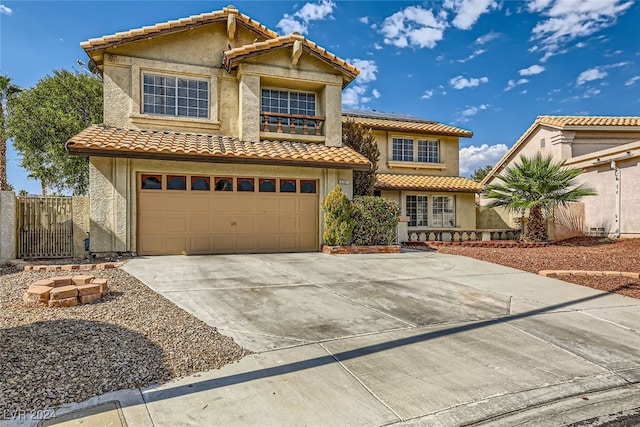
[338, 220]
[376, 219]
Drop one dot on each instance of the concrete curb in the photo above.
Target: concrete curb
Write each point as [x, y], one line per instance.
[556, 273]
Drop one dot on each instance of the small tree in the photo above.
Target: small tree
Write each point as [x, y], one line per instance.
[41, 120]
[7, 90]
[360, 139]
[375, 219]
[338, 221]
[479, 174]
[538, 185]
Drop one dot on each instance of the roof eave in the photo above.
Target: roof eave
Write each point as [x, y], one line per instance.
[88, 152]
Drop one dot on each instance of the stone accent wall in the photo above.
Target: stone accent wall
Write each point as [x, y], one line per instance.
[8, 242]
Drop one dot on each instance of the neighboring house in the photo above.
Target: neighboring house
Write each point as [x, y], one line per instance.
[219, 136]
[419, 167]
[608, 151]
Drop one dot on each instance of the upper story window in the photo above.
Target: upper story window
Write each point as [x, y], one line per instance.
[402, 149]
[288, 102]
[428, 151]
[175, 96]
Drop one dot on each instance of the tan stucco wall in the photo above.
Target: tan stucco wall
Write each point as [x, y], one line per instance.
[8, 226]
[113, 182]
[495, 218]
[465, 206]
[234, 98]
[449, 154]
[81, 224]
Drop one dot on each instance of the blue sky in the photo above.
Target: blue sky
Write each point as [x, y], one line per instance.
[484, 65]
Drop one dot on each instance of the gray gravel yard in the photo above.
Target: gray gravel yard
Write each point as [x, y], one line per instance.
[133, 337]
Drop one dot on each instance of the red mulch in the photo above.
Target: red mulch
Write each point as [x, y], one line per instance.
[581, 253]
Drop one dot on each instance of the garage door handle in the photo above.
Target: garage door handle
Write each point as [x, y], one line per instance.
[233, 223]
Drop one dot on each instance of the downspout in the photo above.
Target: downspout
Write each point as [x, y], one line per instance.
[618, 194]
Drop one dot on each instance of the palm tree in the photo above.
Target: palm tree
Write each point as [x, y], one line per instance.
[7, 89]
[538, 185]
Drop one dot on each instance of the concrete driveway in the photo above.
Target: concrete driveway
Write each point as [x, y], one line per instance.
[416, 338]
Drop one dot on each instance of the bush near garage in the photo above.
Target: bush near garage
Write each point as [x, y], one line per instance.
[376, 219]
[338, 220]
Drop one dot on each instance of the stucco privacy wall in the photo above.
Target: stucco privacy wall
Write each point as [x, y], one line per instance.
[465, 206]
[80, 210]
[113, 219]
[7, 226]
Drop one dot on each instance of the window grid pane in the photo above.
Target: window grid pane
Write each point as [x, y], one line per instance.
[288, 102]
[444, 211]
[428, 151]
[173, 96]
[418, 211]
[402, 149]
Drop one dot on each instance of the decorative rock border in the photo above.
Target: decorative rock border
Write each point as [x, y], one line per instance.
[65, 291]
[24, 265]
[556, 273]
[341, 250]
[483, 244]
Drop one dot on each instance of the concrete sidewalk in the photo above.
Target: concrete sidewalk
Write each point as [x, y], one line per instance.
[411, 339]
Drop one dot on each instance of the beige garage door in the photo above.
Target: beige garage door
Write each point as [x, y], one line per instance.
[208, 215]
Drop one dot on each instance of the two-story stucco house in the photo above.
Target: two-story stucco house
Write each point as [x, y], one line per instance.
[607, 149]
[419, 168]
[219, 136]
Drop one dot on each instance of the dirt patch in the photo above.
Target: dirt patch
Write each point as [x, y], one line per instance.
[583, 253]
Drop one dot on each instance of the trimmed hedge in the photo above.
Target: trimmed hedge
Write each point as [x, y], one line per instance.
[376, 219]
[338, 221]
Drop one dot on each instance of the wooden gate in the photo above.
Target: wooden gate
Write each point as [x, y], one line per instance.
[45, 227]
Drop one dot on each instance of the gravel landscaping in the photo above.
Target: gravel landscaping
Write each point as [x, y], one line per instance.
[131, 338]
[584, 253]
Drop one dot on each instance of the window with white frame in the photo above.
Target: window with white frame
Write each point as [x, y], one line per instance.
[175, 96]
[402, 150]
[444, 211]
[288, 102]
[428, 151]
[418, 210]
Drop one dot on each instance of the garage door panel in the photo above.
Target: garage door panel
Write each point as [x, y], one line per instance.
[175, 222]
[308, 204]
[199, 223]
[307, 225]
[176, 245]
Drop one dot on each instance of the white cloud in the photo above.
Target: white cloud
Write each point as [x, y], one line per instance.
[414, 26]
[354, 96]
[468, 11]
[531, 71]
[367, 67]
[590, 75]
[460, 82]
[513, 83]
[427, 94]
[5, 10]
[364, 20]
[591, 92]
[567, 20]
[475, 53]
[632, 81]
[299, 21]
[487, 38]
[472, 157]
[377, 46]
[472, 111]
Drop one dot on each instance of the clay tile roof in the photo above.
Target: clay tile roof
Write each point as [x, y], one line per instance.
[100, 140]
[427, 183]
[232, 56]
[389, 121]
[176, 25]
[567, 121]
